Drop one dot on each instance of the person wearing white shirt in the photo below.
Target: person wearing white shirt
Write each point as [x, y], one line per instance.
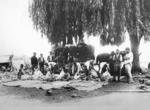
[50, 61]
[50, 57]
[128, 59]
[41, 63]
[76, 68]
[88, 63]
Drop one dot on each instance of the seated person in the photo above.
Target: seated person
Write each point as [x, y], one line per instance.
[93, 72]
[46, 68]
[49, 76]
[21, 71]
[105, 75]
[3, 69]
[87, 67]
[76, 67]
[80, 73]
[104, 68]
[24, 74]
[56, 69]
[27, 75]
[64, 75]
[90, 70]
[37, 74]
[83, 74]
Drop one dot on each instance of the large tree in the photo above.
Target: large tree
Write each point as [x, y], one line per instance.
[61, 19]
[134, 16]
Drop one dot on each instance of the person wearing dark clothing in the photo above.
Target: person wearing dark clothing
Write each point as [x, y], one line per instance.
[41, 63]
[117, 64]
[66, 57]
[70, 58]
[21, 71]
[111, 63]
[70, 62]
[60, 60]
[78, 56]
[34, 62]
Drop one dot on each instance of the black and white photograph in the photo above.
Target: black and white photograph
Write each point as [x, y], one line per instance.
[75, 54]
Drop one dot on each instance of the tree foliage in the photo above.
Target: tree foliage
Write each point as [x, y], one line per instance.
[61, 19]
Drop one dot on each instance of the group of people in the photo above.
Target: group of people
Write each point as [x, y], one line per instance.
[88, 70]
[37, 62]
[120, 61]
[61, 69]
[68, 67]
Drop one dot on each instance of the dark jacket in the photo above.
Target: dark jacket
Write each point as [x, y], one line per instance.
[34, 60]
[70, 59]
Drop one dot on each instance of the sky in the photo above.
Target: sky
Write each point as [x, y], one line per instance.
[17, 35]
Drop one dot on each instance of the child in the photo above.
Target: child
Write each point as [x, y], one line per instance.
[21, 71]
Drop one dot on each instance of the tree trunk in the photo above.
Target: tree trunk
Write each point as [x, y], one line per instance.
[135, 49]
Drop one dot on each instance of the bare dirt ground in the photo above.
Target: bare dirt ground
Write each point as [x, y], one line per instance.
[16, 98]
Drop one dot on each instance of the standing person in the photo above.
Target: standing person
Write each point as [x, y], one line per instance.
[111, 63]
[10, 62]
[34, 62]
[70, 58]
[117, 58]
[60, 60]
[41, 63]
[66, 56]
[50, 60]
[50, 57]
[77, 57]
[128, 59]
[70, 62]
